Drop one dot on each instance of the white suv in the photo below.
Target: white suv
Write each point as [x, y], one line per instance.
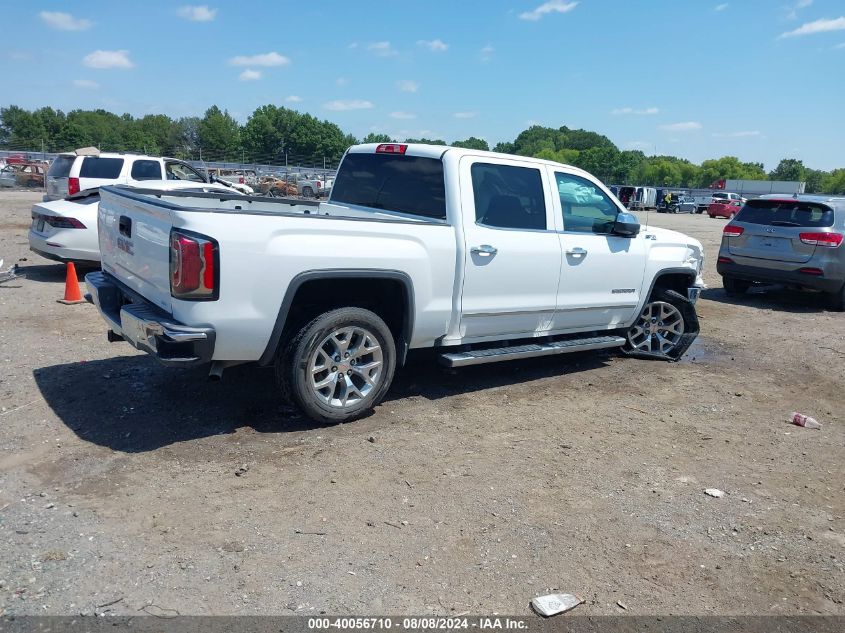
[88, 168]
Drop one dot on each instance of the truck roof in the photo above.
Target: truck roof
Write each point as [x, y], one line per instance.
[438, 151]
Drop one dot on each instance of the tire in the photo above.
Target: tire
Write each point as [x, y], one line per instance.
[342, 391]
[308, 192]
[836, 300]
[712, 217]
[731, 216]
[666, 327]
[735, 287]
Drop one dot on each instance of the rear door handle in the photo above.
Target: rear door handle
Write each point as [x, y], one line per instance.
[577, 251]
[125, 226]
[485, 250]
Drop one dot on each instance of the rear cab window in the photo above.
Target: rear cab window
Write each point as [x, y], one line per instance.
[405, 184]
[60, 168]
[786, 213]
[97, 167]
[508, 197]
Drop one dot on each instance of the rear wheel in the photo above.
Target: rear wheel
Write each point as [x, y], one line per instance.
[836, 300]
[339, 365]
[308, 192]
[735, 287]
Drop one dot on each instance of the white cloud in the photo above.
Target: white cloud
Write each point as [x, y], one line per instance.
[796, 7]
[341, 81]
[264, 59]
[435, 46]
[685, 126]
[819, 26]
[250, 75]
[293, 99]
[740, 134]
[407, 85]
[721, 7]
[642, 111]
[838, 46]
[352, 45]
[342, 105]
[552, 6]
[198, 13]
[486, 53]
[402, 115]
[464, 115]
[108, 59]
[64, 21]
[382, 49]
[86, 83]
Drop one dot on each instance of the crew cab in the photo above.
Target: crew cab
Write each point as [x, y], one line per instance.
[482, 256]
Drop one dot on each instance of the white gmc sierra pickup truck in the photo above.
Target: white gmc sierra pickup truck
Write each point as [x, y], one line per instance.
[483, 256]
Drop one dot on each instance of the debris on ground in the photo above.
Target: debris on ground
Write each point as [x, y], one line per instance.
[621, 605]
[240, 472]
[715, 492]
[799, 419]
[555, 603]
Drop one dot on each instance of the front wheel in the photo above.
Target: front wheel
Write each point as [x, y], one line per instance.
[666, 327]
[339, 365]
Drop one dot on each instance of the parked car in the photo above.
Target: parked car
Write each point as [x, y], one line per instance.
[724, 209]
[278, 186]
[724, 196]
[8, 176]
[66, 229]
[88, 168]
[795, 241]
[310, 187]
[335, 294]
[30, 175]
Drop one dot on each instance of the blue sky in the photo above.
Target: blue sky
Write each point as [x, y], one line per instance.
[759, 79]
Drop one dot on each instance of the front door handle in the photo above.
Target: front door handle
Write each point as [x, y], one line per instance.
[485, 250]
[577, 251]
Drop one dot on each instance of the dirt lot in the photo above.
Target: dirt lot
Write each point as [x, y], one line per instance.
[466, 492]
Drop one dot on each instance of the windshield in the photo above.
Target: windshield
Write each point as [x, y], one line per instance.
[786, 213]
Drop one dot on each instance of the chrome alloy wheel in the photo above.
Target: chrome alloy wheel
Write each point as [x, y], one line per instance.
[346, 366]
[658, 330]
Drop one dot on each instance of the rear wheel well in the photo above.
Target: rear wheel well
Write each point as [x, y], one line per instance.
[388, 297]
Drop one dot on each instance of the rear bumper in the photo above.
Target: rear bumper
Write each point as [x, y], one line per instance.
[44, 246]
[147, 328]
[787, 277]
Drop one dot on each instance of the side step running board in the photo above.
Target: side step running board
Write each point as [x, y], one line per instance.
[478, 357]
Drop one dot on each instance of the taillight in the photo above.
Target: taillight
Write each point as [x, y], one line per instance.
[831, 240]
[725, 260]
[391, 148]
[241, 180]
[72, 186]
[193, 266]
[732, 231]
[62, 223]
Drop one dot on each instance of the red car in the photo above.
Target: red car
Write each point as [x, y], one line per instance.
[724, 209]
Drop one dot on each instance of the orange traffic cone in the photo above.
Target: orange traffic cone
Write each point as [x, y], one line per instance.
[72, 293]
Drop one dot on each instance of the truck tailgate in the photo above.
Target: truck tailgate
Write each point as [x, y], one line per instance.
[134, 234]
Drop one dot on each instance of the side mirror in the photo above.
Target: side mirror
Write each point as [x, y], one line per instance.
[626, 225]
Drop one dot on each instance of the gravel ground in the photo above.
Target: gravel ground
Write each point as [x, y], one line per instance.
[125, 485]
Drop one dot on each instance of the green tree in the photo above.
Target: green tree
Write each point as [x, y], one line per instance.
[472, 143]
[219, 135]
[372, 137]
[834, 182]
[788, 169]
[425, 141]
[814, 179]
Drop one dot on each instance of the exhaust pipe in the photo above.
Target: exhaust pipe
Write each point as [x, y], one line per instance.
[215, 374]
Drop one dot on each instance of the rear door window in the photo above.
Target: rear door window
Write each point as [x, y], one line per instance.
[407, 184]
[105, 168]
[786, 213]
[146, 170]
[508, 197]
[61, 167]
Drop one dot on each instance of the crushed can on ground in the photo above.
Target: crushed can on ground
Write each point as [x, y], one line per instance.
[555, 603]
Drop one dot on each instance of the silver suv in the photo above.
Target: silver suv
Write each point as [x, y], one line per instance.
[793, 241]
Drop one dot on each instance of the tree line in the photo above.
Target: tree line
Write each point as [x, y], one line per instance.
[278, 135]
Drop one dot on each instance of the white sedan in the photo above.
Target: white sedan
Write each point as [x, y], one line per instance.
[65, 230]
